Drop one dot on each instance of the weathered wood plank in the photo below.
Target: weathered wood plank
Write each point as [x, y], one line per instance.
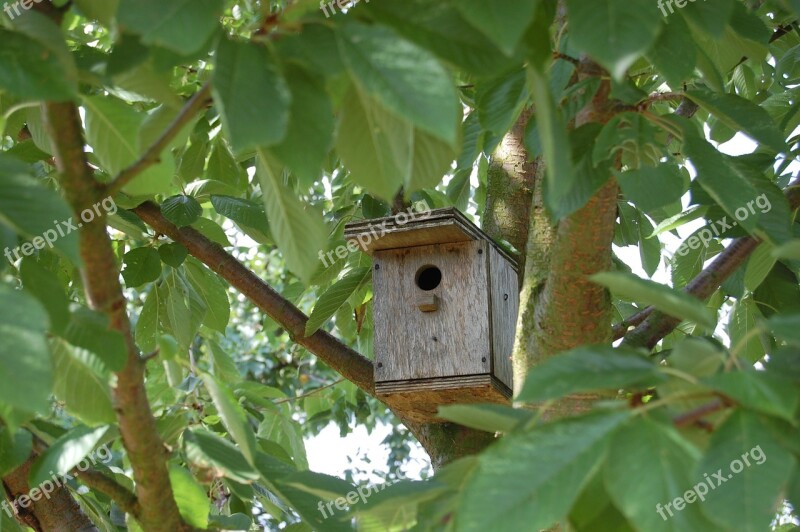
[454, 339]
[504, 308]
[419, 400]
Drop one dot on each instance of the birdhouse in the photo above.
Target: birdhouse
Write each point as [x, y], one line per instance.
[445, 311]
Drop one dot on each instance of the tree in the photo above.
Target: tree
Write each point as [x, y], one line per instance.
[174, 175]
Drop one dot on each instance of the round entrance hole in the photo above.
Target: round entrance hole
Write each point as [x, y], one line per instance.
[428, 277]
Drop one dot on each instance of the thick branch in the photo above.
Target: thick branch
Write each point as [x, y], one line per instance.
[100, 274]
[657, 324]
[56, 512]
[152, 156]
[347, 362]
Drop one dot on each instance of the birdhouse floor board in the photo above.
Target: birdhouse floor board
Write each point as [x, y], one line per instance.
[420, 399]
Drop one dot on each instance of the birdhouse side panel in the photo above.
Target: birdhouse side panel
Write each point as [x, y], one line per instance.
[431, 311]
[505, 306]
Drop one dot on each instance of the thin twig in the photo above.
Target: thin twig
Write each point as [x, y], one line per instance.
[152, 156]
[309, 394]
[693, 416]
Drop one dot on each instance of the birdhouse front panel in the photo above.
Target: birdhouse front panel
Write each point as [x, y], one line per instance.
[431, 311]
[445, 311]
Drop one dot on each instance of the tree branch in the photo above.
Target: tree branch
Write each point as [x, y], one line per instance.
[344, 360]
[100, 273]
[152, 156]
[657, 325]
[693, 416]
[121, 495]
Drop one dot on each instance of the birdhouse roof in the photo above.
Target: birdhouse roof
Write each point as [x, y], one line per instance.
[406, 230]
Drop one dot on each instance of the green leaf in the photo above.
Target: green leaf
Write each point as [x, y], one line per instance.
[440, 28]
[405, 78]
[560, 175]
[173, 254]
[223, 167]
[247, 214]
[431, 159]
[206, 449]
[65, 453]
[213, 292]
[786, 327]
[251, 95]
[741, 327]
[487, 417]
[182, 26]
[499, 101]
[15, 449]
[81, 384]
[668, 300]
[112, 130]
[233, 416]
[503, 21]
[147, 324]
[287, 433]
[743, 115]
[90, 330]
[614, 32]
[311, 125]
[674, 54]
[26, 369]
[710, 16]
[181, 210]
[760, 391]
[789, 250]
[141, 265]
[374, 145]
[34, 212]
[652, 188]
[185, 310]
[748, 498]
[299, 230]
[660, 462]
[759, 265]
[103, 11]
[30, 70]
[587, 369]
[529, 481]
[334, 297]
[43, 285]
[193, 504]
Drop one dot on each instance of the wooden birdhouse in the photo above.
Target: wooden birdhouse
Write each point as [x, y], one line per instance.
[445, 310]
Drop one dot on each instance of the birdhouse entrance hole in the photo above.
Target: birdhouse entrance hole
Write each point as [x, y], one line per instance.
[429, 277]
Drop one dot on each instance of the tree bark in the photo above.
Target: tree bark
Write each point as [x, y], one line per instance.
[58, 512]
[511, 181]
[100, 274]
[560, 307]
